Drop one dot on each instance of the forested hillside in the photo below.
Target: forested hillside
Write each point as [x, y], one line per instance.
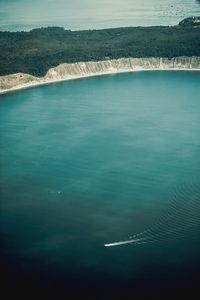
[36, 51]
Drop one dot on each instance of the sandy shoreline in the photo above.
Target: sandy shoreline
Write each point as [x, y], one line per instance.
[55, 75]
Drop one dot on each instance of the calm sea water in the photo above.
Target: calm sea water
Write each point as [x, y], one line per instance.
[90, 14]
[92, 161]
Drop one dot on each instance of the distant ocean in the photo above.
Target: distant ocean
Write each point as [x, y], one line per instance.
[93, 14]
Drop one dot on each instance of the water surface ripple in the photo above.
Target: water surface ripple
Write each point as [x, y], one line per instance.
[97, 160]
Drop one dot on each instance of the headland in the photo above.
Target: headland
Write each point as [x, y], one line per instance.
[45, 55]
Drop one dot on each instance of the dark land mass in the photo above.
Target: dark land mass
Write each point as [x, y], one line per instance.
[37, 51]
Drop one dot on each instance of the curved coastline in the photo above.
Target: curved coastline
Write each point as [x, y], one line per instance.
[70, 71]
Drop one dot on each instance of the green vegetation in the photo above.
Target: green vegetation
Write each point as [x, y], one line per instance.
[36, 51]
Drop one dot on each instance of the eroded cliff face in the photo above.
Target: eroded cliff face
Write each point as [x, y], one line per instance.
[83, 69]
[121, 65]
[10, 81]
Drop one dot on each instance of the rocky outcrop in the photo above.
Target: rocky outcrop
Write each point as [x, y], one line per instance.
[190, 22]
[68, 71]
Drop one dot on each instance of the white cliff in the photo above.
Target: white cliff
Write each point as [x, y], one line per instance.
[68, 71]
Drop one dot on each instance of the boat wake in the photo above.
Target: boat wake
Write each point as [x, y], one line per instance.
[180, 220]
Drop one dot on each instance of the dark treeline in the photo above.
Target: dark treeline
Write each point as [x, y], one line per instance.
[36, 51]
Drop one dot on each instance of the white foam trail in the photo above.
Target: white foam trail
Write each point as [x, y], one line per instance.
[122, 243]
[181, 219]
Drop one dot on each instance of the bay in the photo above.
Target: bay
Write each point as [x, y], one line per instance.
[94, 161]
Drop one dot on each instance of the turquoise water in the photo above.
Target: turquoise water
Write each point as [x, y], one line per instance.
[90, 14]
[95, 161]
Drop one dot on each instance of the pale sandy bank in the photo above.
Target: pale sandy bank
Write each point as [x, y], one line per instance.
[77, 70]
